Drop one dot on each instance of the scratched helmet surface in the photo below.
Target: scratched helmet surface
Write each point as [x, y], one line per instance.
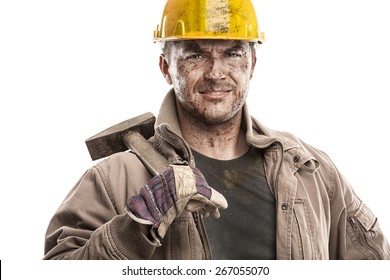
[209, 19]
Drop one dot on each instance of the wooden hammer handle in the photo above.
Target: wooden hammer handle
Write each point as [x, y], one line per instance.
[148, 155]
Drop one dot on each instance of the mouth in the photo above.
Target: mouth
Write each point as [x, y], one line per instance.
[215, 95]
[215, 92]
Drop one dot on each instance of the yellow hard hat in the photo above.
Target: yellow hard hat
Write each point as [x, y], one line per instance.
[209, 19]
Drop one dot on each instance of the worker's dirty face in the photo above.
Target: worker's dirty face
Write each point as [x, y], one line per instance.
[210, 77]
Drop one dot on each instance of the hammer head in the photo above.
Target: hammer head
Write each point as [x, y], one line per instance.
[110, 141]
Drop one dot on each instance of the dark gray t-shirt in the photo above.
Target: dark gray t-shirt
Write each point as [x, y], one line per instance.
[246, 229]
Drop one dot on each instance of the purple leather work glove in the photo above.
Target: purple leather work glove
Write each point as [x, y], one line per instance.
[167, 195]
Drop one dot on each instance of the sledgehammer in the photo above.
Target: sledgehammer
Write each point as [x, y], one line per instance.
[130, 134]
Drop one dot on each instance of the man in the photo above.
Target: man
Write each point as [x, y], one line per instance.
[276, 197]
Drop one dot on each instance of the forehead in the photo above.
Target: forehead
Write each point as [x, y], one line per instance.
[204, 45]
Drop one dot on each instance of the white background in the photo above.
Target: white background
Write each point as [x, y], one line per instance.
[69, 69]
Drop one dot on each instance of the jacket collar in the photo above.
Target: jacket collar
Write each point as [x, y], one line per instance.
[261, 136]
[258, 135]
[168, 137]
[168, 113]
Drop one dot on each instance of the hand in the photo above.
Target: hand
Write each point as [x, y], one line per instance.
[167, 195]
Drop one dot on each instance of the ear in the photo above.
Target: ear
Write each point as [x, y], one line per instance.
[164, 67]
[254, 60]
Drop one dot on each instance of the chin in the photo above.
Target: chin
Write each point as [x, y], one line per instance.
[216, 119]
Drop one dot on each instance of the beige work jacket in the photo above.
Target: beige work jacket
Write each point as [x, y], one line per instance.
[318, 215]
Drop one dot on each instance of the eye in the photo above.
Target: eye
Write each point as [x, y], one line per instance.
[195, 57]
[234, 54]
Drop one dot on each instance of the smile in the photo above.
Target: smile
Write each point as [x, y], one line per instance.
[215, 92]
[216, 89]
[215, 95]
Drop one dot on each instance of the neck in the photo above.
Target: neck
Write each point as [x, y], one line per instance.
[220, 141]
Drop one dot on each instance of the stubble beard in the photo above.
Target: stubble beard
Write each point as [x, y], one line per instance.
[203, 117]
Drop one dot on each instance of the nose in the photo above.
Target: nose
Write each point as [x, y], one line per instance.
[216, 70]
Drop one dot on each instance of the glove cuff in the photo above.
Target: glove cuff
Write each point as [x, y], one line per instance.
[153, 229]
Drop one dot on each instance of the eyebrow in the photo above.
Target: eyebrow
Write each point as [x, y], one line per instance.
[193, 46]
[237, 47]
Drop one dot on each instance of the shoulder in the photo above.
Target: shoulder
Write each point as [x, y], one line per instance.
[291, 140]
[292, 143]
[122, 170]
[119, 161]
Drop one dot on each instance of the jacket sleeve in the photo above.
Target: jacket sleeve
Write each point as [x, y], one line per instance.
[88, 225]
[355, 231]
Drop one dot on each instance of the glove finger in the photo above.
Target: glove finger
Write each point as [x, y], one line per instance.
[194, 205]
[218, 199]
[215, 214]
[204, 209]
[209, 210]
[215, 202]
[212, 211]
[204, 213]
[205, 206]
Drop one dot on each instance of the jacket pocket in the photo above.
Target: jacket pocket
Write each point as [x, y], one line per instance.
[362, 228]
[302, 233]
